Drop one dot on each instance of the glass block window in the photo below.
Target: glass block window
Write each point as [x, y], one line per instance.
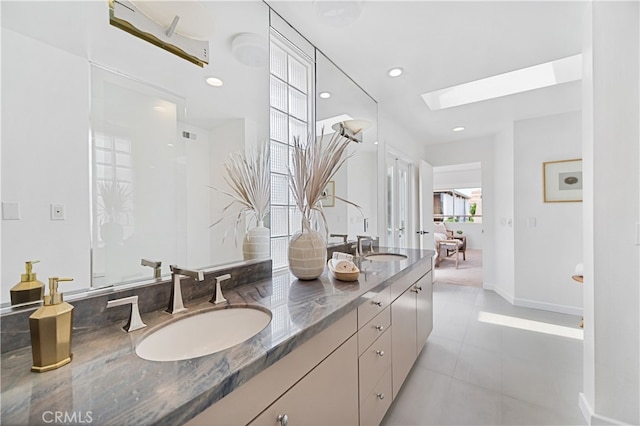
[291, 108]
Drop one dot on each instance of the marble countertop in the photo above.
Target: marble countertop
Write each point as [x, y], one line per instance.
[108, 384]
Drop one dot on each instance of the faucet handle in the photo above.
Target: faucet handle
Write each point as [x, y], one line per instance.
[135, 322]
[218, 297]
[343, 236]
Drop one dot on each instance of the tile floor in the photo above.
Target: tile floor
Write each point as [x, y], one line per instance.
[477, 373]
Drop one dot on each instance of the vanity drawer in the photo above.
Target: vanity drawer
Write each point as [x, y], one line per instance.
[373, 306]
[372, 364]
[376, 402]
[373, 329]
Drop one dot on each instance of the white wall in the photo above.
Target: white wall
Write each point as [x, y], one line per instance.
[502, 219]
[548, 236]
[611, 105]
[471, 151]
[57, 128]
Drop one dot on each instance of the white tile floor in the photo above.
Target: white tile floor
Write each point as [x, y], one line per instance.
[476, 373]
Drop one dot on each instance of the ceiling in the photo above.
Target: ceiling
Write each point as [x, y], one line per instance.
[444, 43]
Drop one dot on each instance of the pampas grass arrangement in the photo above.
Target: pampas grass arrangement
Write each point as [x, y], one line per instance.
[248, 177]
[314, 164]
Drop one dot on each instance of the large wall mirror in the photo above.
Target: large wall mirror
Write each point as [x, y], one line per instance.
[339, 99]
[126, 138]
[110, 145]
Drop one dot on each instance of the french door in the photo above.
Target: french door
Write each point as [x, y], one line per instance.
[398, 201]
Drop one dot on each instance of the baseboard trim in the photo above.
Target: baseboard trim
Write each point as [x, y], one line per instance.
[563, 309]
[506, 296]
[592, 418]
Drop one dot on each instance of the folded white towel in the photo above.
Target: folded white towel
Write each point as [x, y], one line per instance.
[341, 256]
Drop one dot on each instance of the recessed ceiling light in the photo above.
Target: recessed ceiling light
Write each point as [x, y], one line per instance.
[395, 72]
[213, 81]
[325, 95]
[458, 129]
[375, 142]
[159, 108]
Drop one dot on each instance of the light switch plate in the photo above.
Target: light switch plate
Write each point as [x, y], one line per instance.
[10, 210]
[57, 211]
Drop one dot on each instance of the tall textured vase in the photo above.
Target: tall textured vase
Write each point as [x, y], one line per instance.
[257, 243]
[307, 253]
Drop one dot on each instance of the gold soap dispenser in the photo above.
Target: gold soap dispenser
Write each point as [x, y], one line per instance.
[51, 327]
[29, 289]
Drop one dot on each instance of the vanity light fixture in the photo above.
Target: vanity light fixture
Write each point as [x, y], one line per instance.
[458, 129]
[181, 28]
[395, 72]
[213, 81]
[325, 95]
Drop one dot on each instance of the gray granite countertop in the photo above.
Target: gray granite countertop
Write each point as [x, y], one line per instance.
[108, 384]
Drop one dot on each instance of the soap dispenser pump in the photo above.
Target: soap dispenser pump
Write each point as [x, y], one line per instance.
[51, 326]
[29, 289]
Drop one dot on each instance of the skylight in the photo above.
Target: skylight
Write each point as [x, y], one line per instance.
[522, 80]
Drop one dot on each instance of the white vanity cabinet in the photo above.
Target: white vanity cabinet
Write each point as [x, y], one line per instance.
[328, 395]
[306, 385]
[412, 319]
[347, 374]
[374, 361]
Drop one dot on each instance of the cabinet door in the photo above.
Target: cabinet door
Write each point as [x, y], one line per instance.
[424, 309]
[328, 395]
[403, 337]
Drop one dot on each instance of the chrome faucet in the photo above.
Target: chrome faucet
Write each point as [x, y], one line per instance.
[359, 250]
[156, 265]
[176, 304]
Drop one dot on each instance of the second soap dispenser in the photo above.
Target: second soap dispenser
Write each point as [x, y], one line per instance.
[51, 327]
[29, 289]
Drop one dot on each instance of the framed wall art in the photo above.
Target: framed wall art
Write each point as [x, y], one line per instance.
[562, 181]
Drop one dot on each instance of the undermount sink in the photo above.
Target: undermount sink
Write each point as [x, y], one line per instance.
[385, 257]
[203, 333]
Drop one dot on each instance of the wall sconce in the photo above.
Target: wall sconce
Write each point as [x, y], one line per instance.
[162, 27]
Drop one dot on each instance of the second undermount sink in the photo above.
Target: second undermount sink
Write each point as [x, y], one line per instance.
[203, 333]
[385, 257]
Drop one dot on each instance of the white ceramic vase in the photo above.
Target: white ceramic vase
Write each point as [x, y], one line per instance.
[257, 243]
[307, 254]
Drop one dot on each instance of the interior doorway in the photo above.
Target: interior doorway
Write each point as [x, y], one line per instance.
[458, 229]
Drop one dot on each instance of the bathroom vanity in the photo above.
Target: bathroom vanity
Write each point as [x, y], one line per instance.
[334, 353]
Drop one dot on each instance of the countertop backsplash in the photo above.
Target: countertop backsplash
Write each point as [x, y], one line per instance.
[91, 312]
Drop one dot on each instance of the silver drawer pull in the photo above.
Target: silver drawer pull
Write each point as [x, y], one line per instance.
[283, 419]
[378, 303]
[380, 353]
[379, 327]
[380, 396]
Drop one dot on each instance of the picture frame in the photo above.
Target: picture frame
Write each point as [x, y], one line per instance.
[562, 181]
[328, 195]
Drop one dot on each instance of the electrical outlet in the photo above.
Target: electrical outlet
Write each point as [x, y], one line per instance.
[57, 211]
